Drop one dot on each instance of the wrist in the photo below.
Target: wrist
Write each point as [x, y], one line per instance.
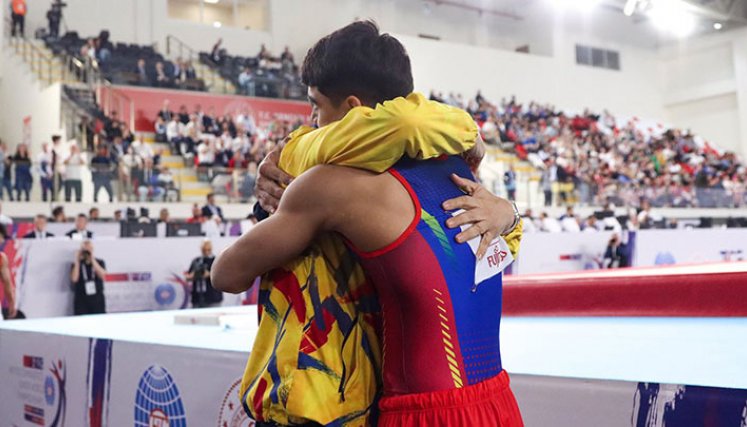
[514, 222]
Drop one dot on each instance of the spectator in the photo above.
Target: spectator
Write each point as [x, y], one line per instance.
[189, 71]
[87, 276]
[161, 79]
[569, 221]
[591, 224]
[184, 117]
[165, 182]
[216, 53]
[58, 214]
[54, 16]
[74, 165]
[161, 130]
[24, 180]
[549, 177]
[40, 229]
[615, 256]
[165, 113]
[164, 216]
[7, 177]
[246, 81]
[5, 219]
[286, 55]
[143, 77]
[250, 180]
[118, 215]
[6, 278]
[509, 180]
[46, 174]
[196, 217]
[264, 53]
[94, 214]
[80, 232]
[211, 209]
[101, 171]
[18, 11]
[203, 293]
[58, 154]
[549, 224]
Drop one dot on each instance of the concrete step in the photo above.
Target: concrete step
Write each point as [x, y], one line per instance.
[195, 185]
[196, 194]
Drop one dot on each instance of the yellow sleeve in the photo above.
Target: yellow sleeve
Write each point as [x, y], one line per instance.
[513, 239]
[376, 138]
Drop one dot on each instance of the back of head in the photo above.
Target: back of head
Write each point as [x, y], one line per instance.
[358, 60]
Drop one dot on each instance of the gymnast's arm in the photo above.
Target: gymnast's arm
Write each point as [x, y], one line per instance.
[306, 210]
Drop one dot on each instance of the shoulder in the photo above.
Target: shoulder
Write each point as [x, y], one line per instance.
[326, 188]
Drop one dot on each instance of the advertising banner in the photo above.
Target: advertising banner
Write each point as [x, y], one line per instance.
[142, 274]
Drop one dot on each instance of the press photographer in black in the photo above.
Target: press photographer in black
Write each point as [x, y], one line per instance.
[54, 16]
[203, 293]
[87, 278]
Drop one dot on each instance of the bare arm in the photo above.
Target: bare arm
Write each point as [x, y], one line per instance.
[98, 269]
[10, 296]
[301, 216]
[75, 272]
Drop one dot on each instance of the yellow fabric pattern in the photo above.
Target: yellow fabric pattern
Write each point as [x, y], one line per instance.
[376, 138]
[317, 356]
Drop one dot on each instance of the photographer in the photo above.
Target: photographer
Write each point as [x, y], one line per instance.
[54, 16]
[616, 254]
[203, 293]
[87, 278]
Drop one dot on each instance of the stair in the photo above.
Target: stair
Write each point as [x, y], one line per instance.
[213, 81]
[185, 176]
[46, 67]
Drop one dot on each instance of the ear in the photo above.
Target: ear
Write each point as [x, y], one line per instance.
[353, 101]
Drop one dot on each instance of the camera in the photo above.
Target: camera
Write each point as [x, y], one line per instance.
[85, 255]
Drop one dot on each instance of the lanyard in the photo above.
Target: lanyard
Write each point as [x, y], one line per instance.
[84, 271]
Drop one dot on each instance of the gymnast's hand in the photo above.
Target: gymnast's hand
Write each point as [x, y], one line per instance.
[489, 215]
[270, 181]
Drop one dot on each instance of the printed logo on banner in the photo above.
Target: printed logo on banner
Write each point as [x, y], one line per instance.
[732, 255]
[664, 258]
[98, 381]
[157, 400]
[41, 393]
[589, 261]
[658, 405]
[231, 412]
[165, 294]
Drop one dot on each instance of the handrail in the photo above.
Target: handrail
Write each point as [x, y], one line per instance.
[120, 96]
[182, 47]
[37, 58]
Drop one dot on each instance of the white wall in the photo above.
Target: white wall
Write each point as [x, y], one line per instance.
[22, 96]
[465, 69]
[704, 87]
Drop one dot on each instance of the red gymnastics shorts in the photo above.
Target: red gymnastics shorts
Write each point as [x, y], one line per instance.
[487, 404]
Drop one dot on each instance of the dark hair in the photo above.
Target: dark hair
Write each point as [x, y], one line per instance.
[58, 210]
[56, 138]
[209, 195]
[358, 60]
[82, 215]
[3, 231]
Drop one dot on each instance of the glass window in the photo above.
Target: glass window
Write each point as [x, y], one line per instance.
[246, 14]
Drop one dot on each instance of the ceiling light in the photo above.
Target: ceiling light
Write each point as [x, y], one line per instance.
[630, 6]
[717, 26]
[672, 16]
[212, 1]
[217, 24]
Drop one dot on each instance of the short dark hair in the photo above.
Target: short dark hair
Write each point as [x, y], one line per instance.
[209, 195]
[82, 215]
[358, 60]
[56, 138]
[3, 231]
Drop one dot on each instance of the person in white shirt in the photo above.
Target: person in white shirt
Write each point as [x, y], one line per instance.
[550, 224]
[74, 165]
[141, 148]
[40, 229]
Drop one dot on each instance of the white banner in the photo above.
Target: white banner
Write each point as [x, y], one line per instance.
[142, 274]
[559, 252]
[667, 247]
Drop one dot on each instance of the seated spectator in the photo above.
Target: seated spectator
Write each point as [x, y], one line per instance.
[80, 232]
[161, 130]
[212, 209]
[246, 81]
[58, 214]
[217, 53]
[161, 79]
[40, 229]
[94, 214]
[196, 215]
[165, 181]
[591, 225]
[165, 113]
[183, 115]
[616, 254]
[143, 77]
[549, 224]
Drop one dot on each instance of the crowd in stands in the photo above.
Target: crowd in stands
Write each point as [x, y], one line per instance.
[220, 145]
[123, 63]
[591, 158]
[265, 74]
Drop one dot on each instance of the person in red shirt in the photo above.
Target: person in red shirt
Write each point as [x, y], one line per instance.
[18, 17]
[196, 217]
